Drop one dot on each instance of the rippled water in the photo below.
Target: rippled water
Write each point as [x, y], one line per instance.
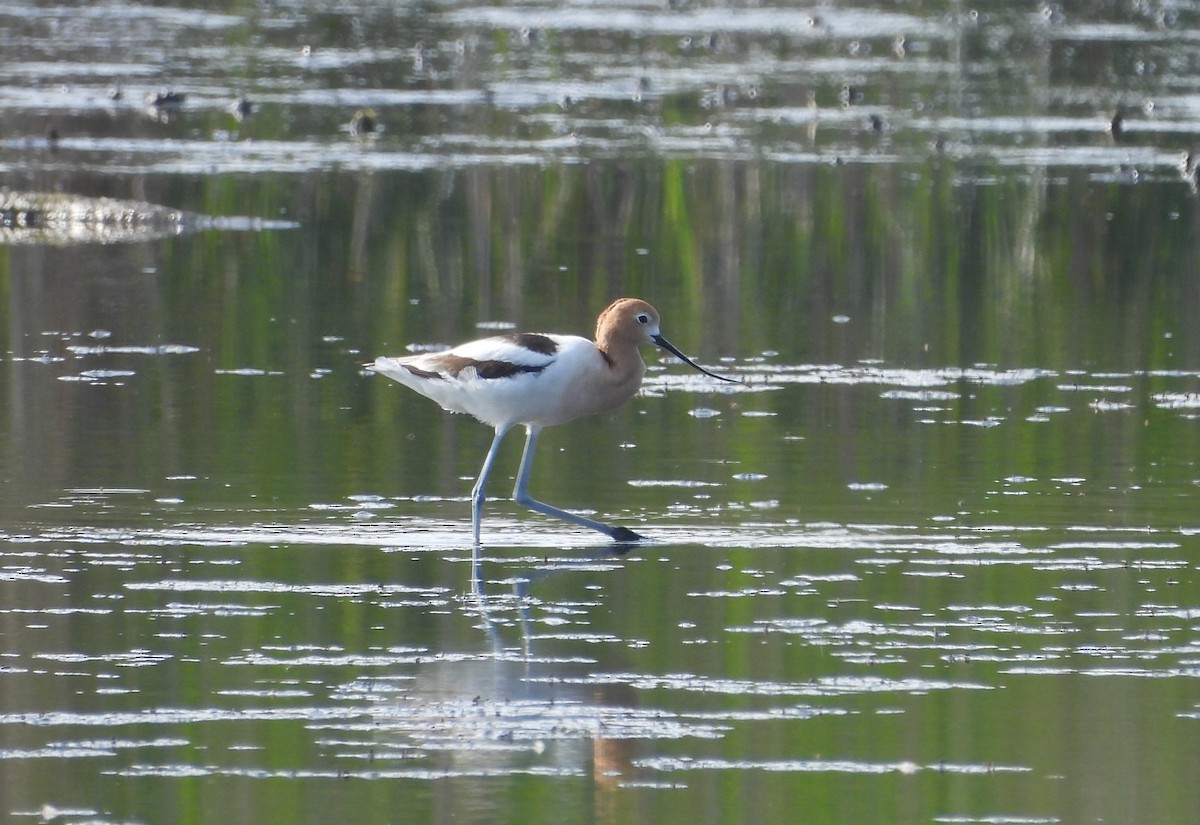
[934, 561]
[154, 639]
[462, 86]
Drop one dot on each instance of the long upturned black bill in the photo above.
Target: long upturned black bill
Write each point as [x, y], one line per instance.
[669, 347]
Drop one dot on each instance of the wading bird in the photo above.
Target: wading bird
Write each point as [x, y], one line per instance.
[539, 380]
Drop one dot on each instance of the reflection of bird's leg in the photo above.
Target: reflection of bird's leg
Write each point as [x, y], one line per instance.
[488, 625]
[521, 586]
[521, 495]
[476, 573]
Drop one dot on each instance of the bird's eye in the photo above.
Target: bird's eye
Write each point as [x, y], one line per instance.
[643, 318]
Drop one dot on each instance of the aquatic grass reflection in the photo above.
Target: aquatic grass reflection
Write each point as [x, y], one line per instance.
[943, 572]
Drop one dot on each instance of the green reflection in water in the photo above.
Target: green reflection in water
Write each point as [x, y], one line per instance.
[912, 408]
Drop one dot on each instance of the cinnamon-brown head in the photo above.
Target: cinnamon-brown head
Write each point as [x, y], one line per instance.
[629, 322]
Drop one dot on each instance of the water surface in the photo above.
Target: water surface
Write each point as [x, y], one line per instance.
[933, 562]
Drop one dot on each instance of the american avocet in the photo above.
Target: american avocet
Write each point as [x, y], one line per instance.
[538, 380]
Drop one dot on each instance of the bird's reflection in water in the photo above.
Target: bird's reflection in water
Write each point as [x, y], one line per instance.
[521, 586]
[540, 695]
[611, 757]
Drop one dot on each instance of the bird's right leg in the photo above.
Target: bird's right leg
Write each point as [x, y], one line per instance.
[521, 496]
[479, 491]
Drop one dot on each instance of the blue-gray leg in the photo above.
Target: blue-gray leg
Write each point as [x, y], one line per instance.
[479, 492]
[521, 495]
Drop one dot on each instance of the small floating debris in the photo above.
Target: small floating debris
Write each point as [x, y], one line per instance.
[241, 108]
[168, 99]
[1189, 170]
[363, 122]
[163, 104]
[1116, 125]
